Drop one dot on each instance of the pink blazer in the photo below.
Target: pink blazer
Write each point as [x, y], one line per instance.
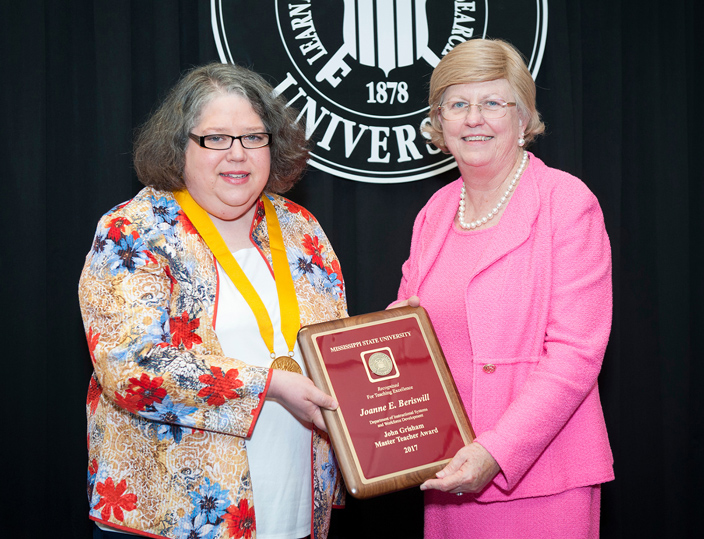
[539, 311]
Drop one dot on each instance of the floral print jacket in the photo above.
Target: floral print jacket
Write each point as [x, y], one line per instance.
[167, 412]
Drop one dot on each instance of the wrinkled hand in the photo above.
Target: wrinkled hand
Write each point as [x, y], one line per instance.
[413, 301]
[300, 397]
[470, 470]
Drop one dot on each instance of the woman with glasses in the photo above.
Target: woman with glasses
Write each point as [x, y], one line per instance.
[200, 416]
[512, 263]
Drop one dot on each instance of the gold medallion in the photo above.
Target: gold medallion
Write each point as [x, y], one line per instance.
[380, 364]
[286, 363]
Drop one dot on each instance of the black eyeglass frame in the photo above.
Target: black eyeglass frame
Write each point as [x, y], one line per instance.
[200, 140]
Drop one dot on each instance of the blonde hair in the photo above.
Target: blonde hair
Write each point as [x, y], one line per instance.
[480, 60]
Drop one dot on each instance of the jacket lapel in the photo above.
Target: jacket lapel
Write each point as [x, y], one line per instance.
[516, 222]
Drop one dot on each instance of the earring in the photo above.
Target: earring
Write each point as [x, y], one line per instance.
[521, 140]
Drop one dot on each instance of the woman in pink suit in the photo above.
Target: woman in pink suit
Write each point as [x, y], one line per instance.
[512, 262]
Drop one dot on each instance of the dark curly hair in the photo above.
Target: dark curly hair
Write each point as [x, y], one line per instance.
[160, 145]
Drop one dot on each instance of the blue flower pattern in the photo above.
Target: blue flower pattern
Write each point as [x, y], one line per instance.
[211, 501]
[166, 211]
[170, 416]
[129, 254]
[196, 527]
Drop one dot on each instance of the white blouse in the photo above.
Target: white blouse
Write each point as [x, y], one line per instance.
[279, 451]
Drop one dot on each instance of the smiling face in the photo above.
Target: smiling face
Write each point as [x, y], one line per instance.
[475, 141]
[227, 183]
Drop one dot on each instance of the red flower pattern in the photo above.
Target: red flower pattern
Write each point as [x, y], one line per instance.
[130, 402]
[92, 339]
[148, 390]
[94, 392]
[312, 247]
[116, 228]
[295, 208]
[335, 268]
[240, 520]
[183, 331]
[151, 257]
[172, 279]
[114, 500]
[220, 387]
[186, 222]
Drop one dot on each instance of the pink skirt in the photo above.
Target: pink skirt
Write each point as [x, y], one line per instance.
[573, 514]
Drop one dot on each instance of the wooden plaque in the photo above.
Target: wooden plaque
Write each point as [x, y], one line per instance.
[400, 419]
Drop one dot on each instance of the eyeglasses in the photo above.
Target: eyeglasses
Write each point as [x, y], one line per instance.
[490, 109]
[249, 141]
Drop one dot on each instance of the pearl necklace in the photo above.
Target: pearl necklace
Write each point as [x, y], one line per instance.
[502, 200]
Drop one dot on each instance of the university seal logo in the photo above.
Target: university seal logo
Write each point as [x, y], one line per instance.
[358, 70]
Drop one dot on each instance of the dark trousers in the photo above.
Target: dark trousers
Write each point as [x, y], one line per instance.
[102, 534]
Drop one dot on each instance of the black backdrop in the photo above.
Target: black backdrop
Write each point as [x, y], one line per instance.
[619, 91]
